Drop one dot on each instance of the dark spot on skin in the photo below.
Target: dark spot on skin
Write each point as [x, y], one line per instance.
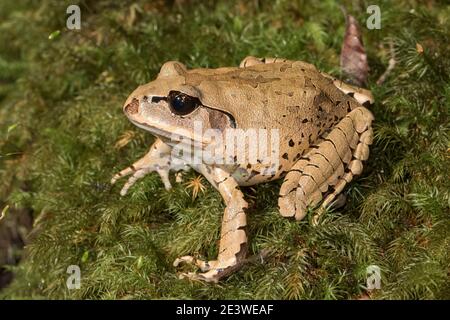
[290, 94]
[280, 167]
[249, 166]
[252, 174]
[284, 116]
[304, 120]
[367, 104]
[349, 108]
[145, 98]
[220, 120]
[132, 107]
[157, 99]
[308, 83]
[278, 92]
[336, 118]
[285, 156]
[320, 109]
[309, 138]
[291, 143]
[351, 94]
[297, 156]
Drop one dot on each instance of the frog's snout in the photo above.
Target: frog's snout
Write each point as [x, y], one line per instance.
[132, 107]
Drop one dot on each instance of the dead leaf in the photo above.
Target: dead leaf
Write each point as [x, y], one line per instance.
[353, 55]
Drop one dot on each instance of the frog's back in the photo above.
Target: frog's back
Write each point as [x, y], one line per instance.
[293, 97]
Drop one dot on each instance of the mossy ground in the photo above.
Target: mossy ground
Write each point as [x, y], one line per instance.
[61, 121]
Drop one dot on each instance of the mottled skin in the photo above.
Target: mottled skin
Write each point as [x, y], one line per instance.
[324, 135]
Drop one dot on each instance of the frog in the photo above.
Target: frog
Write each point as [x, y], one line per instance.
[324, 129]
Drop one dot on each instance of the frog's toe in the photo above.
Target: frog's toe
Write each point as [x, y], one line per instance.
[164, 174]
[213, 276]
[125, 172]
[203, 265]
[132, 180]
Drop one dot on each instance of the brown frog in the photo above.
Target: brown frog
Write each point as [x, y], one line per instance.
[321, 125]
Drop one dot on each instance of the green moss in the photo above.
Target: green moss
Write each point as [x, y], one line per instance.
[61, 100]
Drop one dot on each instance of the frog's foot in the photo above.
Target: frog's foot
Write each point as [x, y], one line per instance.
[213, 275]
[212, 271]
[157, 159]
[329, 166]
[233, 239]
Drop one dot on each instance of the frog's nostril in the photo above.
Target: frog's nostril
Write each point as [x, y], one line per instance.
[132, 107]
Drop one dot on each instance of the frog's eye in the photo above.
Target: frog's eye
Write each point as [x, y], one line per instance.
[181, 104]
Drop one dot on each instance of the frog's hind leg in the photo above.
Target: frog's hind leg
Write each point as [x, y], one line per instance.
[325, 170]
[233, 238]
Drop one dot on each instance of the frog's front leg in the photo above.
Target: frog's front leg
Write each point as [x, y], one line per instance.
[233, 238]
[158, 159]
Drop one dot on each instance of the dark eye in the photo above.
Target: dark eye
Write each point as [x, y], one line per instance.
[182, 104]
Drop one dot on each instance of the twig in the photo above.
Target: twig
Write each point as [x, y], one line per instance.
[391, 65]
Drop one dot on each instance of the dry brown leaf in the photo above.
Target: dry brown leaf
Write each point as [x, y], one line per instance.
[353, 56]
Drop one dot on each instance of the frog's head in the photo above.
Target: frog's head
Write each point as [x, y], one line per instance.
[168, 107]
